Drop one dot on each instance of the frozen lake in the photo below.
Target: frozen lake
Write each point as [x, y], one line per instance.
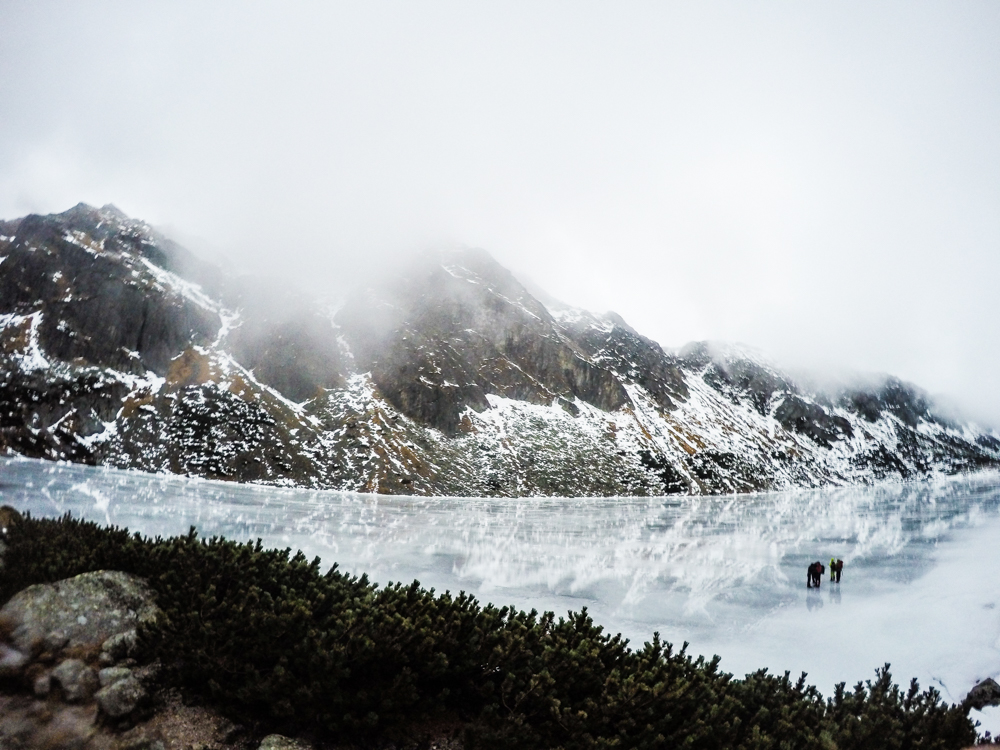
[921, 584]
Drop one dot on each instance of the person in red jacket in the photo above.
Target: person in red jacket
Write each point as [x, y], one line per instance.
[814, 574]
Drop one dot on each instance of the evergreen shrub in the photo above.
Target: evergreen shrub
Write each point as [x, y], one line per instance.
[267, 637]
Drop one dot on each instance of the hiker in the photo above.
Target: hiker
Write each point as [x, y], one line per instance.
[833, 569]
[839, 565]
[814, 574]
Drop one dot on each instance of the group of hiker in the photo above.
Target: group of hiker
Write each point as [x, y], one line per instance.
[816, 571]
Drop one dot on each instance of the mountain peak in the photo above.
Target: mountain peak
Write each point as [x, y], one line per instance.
[449, 376]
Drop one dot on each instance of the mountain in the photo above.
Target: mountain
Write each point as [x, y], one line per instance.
[120, 348]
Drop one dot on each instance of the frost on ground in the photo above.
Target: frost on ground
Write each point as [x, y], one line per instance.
[725, 573]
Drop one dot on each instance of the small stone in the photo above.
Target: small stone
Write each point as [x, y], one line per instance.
[280, 742]
[55, 641]
[142, 742]
[148, 673]
[227, 732]
[77, 680]
[111, 675]
[121, 698]
[121, 645]
[12, 661]
[43, 686]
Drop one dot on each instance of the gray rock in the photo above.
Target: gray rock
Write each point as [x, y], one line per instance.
[121, 698]
[985, 693]
[12, 661]
[280, 742]
[42, 686]
[81, 612]
[55, 641]
[120, 646]
[111, 675]
[78, 681]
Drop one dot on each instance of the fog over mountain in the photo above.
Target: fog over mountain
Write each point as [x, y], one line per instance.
[818, 182]
[445, 376]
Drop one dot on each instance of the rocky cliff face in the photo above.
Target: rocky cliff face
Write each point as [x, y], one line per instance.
[119, 348]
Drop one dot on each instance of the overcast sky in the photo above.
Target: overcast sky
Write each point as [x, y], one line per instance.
[818, 180]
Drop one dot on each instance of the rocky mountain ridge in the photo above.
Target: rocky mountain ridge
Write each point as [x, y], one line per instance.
[119, 348]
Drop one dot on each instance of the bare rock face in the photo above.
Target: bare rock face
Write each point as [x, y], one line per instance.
[985, 693]
[459, 327]
[77, 614]
[61, 262]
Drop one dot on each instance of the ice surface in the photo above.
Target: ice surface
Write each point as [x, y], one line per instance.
[727, 574]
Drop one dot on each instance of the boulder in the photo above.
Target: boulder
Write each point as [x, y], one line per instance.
[111, 675]
[80, 613]
[121, 698]
[985, 693]
[280, 742]
[78, 681]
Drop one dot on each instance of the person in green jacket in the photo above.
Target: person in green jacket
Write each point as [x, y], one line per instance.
[835, 567]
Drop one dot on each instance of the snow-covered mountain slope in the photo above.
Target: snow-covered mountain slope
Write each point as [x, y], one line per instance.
[117, 347]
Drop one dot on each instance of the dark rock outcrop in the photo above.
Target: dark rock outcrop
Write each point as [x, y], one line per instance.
[983, 694]
[738, 379]
[812, 420]
[95, 284]
[460, 327]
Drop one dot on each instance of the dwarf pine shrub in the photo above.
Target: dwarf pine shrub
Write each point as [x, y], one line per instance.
[268, 638]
